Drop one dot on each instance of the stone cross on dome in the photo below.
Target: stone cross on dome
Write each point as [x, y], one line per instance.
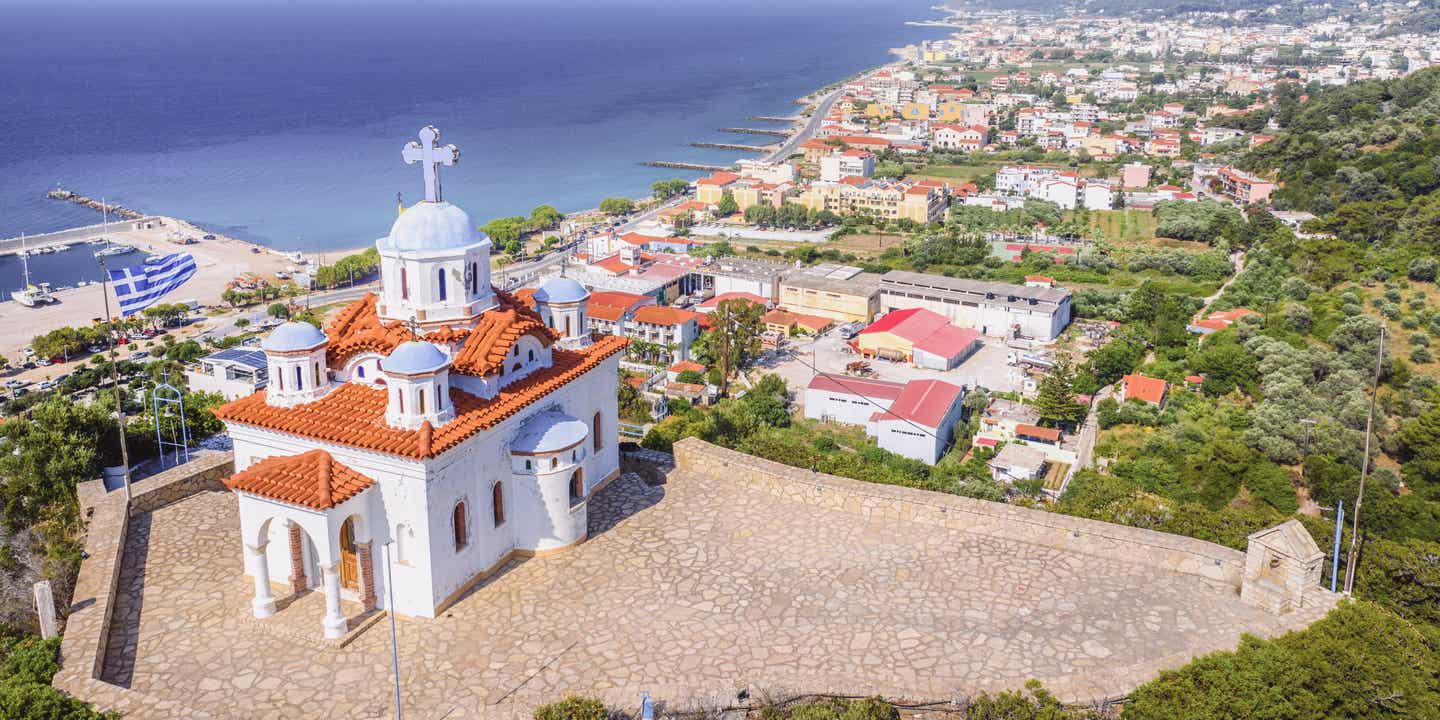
[431, 155]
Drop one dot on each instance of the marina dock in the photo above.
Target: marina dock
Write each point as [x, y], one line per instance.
[686, 165]
[756, 131]
[10, 246]
[733, 146]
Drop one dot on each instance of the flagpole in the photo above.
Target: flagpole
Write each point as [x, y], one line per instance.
[115, 376]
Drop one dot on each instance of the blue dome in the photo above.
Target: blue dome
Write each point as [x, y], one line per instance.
[433, 226]
[549, 431]
[293, 336]
[561, 290]
[415, 358]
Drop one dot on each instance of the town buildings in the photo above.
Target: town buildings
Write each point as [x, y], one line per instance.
[841, 293]
[915, 419]
[918, 336]
[234, 373]
[996, 309]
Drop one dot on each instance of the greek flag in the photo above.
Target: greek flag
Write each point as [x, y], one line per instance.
[140, 286]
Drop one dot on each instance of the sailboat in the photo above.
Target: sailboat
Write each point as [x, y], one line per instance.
[30, 295]
[111, 249]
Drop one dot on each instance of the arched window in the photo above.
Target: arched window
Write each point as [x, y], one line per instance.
[360, 371]
[474, 278]
[595, 430]
[532, 355]
[497, 501]
[280, 377]
[299, 378]
[457, 521]
[404, 283]
[421, 409]
[529, 465]
[577, 488]
[441, 281]
[554, 462]
[567, 326]
[515, 367]
[317, 374]
[400, 399]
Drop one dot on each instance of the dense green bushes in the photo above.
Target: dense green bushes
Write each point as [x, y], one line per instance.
[1359, 662]
[27, 664]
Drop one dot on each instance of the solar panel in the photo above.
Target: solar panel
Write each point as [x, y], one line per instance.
[244, 356]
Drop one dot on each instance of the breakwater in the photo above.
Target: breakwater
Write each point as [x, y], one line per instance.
[685, 165]
[756, 131]
[119, 211]
[733, 146]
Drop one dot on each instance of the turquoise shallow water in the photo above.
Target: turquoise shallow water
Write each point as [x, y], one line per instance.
[283, 122]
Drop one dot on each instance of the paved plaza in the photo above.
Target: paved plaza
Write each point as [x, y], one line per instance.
[692, 589]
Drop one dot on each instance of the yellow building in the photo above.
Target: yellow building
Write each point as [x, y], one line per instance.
[709, 190]
[887, 200]
[878, 110]
[754, 192]
[840, 293]
[950, 111]
[915, 111]
[934, 56]
[1098, 144]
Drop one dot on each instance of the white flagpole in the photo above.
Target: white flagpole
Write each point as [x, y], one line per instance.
[115, 377]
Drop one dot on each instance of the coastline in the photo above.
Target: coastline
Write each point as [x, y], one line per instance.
[221, 260]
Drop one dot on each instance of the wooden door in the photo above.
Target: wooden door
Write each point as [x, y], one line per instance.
[349, 566]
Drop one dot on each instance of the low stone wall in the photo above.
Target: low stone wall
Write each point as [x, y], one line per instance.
[87, 628]
[206, 472]
[1170, 553]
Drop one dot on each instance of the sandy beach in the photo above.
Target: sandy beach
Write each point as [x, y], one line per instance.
[218, 262]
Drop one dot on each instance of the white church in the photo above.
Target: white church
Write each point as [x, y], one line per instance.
[443, 419]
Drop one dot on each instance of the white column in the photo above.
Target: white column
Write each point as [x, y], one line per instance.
[334, 621]
[264, 602]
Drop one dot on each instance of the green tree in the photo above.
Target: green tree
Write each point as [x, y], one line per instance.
[727, 205]
[1055, 399]
[1361, 662]
[573, 707]
[545, 217]
[617, 206]
[278, 310]
[666, 189]
[733, 340]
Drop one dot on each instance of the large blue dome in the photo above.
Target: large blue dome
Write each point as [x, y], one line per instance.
[433, 226]
[560, 290]
[293, 336]
[415, 358]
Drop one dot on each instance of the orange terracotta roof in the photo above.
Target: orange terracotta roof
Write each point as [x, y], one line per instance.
[354, 414]
[613, 265]
[1148, 389]
[659, 315]
[311, 479]
[358, 329]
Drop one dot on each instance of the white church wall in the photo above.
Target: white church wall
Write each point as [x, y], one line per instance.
[401, 501]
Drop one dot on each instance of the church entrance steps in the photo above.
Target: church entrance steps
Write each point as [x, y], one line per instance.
[297, 616]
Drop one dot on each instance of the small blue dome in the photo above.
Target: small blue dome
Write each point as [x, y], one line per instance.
[561, 290]
[293, 336]
[433, 226]
[549, 431]
[415, 358]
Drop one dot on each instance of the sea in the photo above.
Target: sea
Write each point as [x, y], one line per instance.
[281, 121]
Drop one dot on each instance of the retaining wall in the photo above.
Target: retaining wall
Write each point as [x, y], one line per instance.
[1170, 553]
[87, 627]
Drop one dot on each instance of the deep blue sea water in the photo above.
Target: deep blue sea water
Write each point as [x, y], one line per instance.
[282, 122]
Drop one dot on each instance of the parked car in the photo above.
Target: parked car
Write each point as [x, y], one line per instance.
[139, 355]
[44, 362]
[46, 385]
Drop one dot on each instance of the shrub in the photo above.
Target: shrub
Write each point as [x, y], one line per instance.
[1420, 355]
[1420, 339]
[572, 708]
[1359, 662]
[1422, 269]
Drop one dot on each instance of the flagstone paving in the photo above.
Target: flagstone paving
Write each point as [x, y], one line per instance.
[694, 589]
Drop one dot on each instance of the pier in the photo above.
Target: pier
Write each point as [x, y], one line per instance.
[733, 146]
[686, 166]
[10, 246]
[756, 131]
[119, 211]
[771, 118]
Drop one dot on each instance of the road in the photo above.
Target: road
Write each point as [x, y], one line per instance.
[812, 124]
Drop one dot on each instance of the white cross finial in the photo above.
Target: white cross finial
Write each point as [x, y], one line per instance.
[431, 155]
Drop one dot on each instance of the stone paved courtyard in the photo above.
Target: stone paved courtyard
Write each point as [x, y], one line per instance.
[691, 590]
